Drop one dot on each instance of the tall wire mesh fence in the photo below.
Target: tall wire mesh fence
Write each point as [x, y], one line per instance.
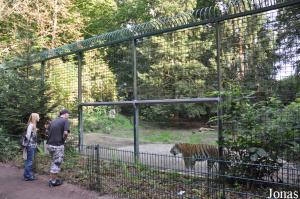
[61, 75]
[177, 65]
[250, 62]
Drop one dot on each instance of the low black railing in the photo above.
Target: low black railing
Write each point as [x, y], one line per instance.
[114, 171]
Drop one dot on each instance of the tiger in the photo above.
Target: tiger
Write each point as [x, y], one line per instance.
[196, 152]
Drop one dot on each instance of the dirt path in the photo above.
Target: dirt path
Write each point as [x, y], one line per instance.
[152, 154]
[12, 186]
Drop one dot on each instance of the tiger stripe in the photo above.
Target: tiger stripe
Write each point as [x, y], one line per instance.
[195, 152]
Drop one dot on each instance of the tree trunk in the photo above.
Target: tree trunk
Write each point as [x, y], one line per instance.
[54, 27]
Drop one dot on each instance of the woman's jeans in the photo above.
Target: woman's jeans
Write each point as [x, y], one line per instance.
[28, 174]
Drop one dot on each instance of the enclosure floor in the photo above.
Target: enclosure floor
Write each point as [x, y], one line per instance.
[12, 186]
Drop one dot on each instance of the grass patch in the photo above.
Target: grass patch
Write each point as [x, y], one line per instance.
[174, 135]
[121, 126]
[100, 121]
[160, 136]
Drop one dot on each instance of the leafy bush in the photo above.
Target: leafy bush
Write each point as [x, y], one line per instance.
[288, 89]
[170, 113]
[100, 120]
[9, 147]
[19, 97]
[289, 125]
[260, 132]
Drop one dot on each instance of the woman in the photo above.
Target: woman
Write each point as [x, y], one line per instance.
[31, 135]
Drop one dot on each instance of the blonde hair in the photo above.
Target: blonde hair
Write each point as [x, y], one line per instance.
[33, 119]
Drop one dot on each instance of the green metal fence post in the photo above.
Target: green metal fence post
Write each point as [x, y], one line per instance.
[220, 131]
[98, 181]
[136, 108]
[80, 111]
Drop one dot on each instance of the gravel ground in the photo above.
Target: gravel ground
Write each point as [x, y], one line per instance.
[156, 155]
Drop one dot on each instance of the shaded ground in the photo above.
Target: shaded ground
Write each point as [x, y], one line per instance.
[151, 154]
[158, 155]
[13, 187]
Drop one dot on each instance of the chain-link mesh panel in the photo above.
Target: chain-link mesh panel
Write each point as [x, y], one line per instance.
[260, 82]
[33, 72]
[61, 74]
[260, 90]
[178, 65]
[98, 81]
[108, 126]
[119, 58]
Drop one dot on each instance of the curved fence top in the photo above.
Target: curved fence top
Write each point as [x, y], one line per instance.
[218, 12]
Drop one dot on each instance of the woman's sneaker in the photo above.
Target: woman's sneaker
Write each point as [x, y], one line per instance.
[30, 179]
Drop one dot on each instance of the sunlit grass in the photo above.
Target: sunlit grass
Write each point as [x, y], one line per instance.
[122, 127]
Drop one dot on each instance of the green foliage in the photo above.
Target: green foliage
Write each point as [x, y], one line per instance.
[288, 89]
[38, 24]
[261, 132]
[178, 71]
[19, 97]
[100, 82]
[164, 73]
[99, 120]
[61, 75]
[289, 126]
[9, 147]
[287, 40]
[98, 16]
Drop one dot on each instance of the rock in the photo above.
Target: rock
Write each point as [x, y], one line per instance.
[201, 129]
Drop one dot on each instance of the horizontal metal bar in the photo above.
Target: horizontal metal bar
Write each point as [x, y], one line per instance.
[106, 103]
[165, 101]
[172, 101]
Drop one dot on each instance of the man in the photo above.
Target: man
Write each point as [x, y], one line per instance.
[58, 131]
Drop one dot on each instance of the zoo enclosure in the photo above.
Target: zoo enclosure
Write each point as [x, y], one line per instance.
[198, 58]
[223, 25]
